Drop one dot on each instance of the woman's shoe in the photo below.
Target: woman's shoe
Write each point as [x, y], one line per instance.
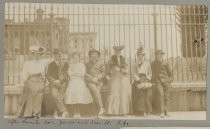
[144, 114]
[65, 114]
[148, 114]
[101, 112]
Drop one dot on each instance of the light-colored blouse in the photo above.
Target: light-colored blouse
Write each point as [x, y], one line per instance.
[144, 68]
[77, 70]
[34, 67]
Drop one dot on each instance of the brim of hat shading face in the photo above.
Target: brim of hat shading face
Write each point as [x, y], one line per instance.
[140, 53]
[160, 53]
[94, 52]
[35, 52]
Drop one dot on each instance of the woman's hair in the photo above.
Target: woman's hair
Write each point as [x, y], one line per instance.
[75, 53]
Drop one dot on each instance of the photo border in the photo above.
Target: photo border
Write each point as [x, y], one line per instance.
[131, 123]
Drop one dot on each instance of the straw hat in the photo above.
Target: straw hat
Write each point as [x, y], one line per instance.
[118, 48]
[37, 49]
[159, 52]
[140, 50]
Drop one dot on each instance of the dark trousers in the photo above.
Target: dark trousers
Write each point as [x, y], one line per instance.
[163, 90]
[58, 96]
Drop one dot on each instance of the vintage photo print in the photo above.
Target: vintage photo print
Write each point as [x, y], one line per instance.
[165, 128]
[105, 61]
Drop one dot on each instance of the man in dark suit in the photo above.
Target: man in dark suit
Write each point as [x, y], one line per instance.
[57, 75]
[161, 78]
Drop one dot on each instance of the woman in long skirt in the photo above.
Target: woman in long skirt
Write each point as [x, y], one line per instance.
[34, 84]
[77, 93]
[119, 88]
[141, 89]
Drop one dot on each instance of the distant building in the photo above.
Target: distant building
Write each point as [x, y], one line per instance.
[51, 32]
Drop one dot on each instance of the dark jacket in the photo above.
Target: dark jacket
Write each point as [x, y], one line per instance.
[57, 72]
[161, 72]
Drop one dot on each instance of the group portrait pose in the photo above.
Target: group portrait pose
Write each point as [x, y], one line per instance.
[74, 84]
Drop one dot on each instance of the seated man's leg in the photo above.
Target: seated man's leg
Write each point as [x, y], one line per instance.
[96, 95]
[58, 100]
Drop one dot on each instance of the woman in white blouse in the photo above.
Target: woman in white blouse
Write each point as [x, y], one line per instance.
[77, 93]
[34, 83]
[141, 90]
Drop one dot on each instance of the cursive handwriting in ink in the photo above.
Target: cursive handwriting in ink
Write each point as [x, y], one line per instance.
[13, 121]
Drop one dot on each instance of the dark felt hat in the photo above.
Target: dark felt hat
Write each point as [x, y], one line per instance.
[57, 51]
[159, 52]
[92, 51]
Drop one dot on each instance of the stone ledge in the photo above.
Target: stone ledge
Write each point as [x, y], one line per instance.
[198, 86]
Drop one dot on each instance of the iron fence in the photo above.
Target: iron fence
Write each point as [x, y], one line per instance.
[180, 31]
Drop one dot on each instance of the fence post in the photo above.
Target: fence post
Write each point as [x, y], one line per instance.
[155, 27]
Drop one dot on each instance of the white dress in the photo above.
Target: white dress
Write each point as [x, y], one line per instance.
[77, 91]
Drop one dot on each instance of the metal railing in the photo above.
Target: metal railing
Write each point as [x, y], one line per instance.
[180, 31]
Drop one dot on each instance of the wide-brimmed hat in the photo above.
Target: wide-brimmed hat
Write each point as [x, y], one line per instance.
[57, 51]
[140, 51]
[92, 51]
[37, 49]
[118, 48]
[159, 52]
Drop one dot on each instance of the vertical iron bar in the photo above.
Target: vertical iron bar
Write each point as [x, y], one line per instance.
[124, 26]
[166, 30]
[12, 46]
[104, 36]
[161, 28]
[170, 13]
[176, 40]
[149, 34]
[84, 31]
[186, 50]
[129, 41]
[134, 25]
[114, 23]
[99, 32]
[119, 23]
[190, 41]
[109, 33]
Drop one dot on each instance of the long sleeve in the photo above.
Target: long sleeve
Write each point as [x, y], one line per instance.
[102, 71]
[135, 72]
[49, 73]
[25, 72]
[64, 77]
[169, 72]
[149, 72]
[83, 70]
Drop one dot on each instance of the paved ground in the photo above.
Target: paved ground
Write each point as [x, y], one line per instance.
[194, 115]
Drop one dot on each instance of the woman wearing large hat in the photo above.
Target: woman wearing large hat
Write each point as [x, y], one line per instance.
[119, 88]
[141, 88]
[34, 84]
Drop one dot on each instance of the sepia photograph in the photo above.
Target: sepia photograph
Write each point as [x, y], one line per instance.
[105, 61]
[165, 128]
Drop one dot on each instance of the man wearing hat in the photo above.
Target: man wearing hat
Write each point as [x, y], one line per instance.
[161, 78]
[94, 77]
[57, 75]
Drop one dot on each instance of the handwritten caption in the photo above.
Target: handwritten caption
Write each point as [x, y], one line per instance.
[68, 122]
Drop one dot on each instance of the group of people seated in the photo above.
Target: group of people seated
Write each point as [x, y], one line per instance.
[75, 84]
